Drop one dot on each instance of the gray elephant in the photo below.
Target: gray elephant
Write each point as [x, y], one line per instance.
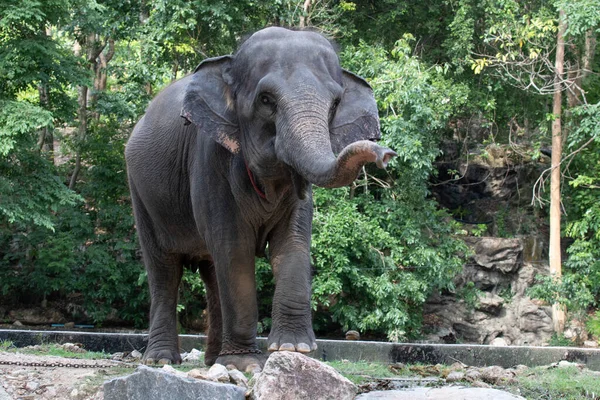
[212, 189]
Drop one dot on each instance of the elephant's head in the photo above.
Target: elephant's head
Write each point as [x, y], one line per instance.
[284, 101]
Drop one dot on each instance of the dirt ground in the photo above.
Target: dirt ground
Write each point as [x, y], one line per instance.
[57, 382]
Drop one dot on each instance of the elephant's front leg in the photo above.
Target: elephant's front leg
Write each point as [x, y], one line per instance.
[290, 258]
[237, 292]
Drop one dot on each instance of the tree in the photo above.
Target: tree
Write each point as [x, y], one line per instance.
[558, 315]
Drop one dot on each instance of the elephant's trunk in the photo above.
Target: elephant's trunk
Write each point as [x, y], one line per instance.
[303, 143]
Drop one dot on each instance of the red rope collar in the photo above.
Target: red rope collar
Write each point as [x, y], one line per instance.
[254, 185]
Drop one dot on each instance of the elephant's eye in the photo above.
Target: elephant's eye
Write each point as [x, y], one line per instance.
[335, 105]
[267, 100]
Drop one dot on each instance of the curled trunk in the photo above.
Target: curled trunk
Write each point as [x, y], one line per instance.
[305, 146]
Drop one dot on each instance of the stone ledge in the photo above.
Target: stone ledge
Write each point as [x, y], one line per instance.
[331, 350]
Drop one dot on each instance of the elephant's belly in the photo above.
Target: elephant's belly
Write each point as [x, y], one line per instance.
[181, 236]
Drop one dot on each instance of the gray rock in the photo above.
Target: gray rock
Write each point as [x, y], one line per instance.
[218, 372]
[503, 309]
[154, 384]
[136, 355]
[444, 393]
[499, 342]
[193, 356]
[498, 253]
[490, 303]
[568, 364]
[495, 374]
[237, 378]
[294, 376]
[199, 374]
[455, 376]
[473, 375]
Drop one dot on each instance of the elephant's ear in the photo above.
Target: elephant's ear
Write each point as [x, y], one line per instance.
[208, 103]
[356, 116]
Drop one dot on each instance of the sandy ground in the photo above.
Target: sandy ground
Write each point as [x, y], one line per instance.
[29, 382]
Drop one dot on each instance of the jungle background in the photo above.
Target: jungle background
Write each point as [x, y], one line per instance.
[75, 76]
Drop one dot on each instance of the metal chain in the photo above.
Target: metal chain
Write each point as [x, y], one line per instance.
[238, 352]
[65, 365]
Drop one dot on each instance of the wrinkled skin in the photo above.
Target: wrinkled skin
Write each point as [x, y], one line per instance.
[223, 163]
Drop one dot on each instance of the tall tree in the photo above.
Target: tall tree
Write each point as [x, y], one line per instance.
[558, 315]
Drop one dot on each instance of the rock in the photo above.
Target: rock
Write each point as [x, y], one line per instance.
[444, 393]
[568, 364]
[290, 376]
[199, 374]
[473, 375]
[499, 342]
[590, 343]
[490, 303]
[237, 378]
[457, 366]
[32, 386]
[455, 376]
[69, 325]
[154, 384]
[253, 369]
[17, 323]
[136, 355]
[495, 375]
[503, 309]
[73, 348]
[352, 335]
[498, 253]
[218, 373]
[169, 369]
[193, 356]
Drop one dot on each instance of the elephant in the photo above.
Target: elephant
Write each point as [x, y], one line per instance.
[220, 170]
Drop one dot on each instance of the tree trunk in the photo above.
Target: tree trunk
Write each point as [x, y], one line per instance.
[304, 19]
[45, 137]
[81, 132]
[558, 314]
[101, 75]
[93, 49]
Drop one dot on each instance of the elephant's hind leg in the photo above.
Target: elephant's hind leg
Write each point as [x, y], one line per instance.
[164, 275]
[215, 321]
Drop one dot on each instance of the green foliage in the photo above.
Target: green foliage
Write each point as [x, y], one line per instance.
[30, 191]
[559, 340]
[380, 251]
[381, 247]
[593, 325]
[558, 383]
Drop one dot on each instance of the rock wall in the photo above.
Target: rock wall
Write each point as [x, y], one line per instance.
[502, 270]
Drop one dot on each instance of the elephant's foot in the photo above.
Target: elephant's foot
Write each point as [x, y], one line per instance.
[210, 356]
[242, 361]
[302, 341]
[156, 355]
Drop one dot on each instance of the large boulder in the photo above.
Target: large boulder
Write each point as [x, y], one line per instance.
[502, 270]
[156, 384]
[293, 376]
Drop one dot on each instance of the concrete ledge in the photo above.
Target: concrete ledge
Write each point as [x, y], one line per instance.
[331, 350]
